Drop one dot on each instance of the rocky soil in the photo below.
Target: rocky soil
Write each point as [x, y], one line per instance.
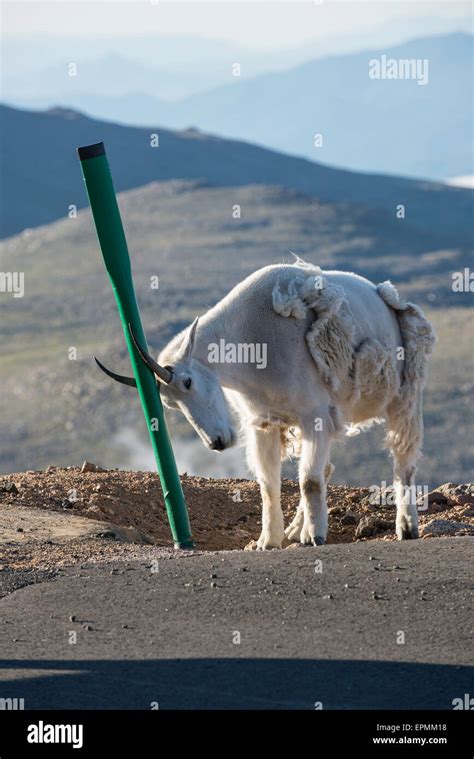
[61, 517]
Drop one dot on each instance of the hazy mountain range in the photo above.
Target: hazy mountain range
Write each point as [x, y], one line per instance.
[42, 179]
[27, 62]
[390, 126]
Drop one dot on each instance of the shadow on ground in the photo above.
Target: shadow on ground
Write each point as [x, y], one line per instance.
[233, 684]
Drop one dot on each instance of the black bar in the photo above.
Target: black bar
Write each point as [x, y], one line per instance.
[112, 733]
[91, 151]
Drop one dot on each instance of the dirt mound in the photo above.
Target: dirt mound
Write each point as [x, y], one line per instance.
[225, 514]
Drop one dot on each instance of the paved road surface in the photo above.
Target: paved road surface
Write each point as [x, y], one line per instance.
[247, 630]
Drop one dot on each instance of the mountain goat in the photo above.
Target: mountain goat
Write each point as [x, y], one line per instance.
[302, 355]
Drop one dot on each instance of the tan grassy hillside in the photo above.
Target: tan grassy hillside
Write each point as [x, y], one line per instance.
[60, 411]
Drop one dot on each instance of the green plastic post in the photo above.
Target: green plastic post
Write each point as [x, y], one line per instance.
[103, 201]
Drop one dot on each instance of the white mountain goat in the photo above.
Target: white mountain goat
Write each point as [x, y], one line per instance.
[301, 355]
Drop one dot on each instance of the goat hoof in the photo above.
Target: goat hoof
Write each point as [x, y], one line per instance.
[409, 534]
[293, 531]
[268, 542]
[293, 535]
[318, 540]
[406, 530]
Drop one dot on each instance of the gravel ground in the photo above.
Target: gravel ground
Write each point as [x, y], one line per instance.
[63, 517]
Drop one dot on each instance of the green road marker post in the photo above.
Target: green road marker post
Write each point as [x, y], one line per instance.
[103, 202]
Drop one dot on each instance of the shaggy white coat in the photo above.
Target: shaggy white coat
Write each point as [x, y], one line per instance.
[341, 354]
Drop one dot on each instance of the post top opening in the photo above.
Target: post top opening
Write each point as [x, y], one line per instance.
[91, 151]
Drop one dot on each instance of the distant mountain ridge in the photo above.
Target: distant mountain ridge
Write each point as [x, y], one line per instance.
[113, 74]
[43, 179]
[384, 126]
[387, 126]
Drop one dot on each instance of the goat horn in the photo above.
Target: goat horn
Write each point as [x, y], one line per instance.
[163, 374]
[130, 381]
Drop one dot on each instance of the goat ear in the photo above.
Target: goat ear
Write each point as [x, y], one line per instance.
[188, 342]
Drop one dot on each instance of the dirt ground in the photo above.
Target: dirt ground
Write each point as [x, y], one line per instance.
[60, 517]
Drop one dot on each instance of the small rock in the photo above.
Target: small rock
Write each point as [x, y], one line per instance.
[66, 504]
[465, 499]
[438, 527]
[89, 467]
[377, 596]
[73, 618]
[349, 518]
[327, 597]
[19, 529]
[466, 489]
[371, 525]
[213, 584]
[9, 487]
[85, 626]
[452, 491]
[436, 496]
[251, 546]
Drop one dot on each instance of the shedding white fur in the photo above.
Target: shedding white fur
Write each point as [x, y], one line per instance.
[329, 338]
[368, 369]
[405, 413]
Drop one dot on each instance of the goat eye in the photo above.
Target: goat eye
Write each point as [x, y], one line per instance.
[187, 383]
